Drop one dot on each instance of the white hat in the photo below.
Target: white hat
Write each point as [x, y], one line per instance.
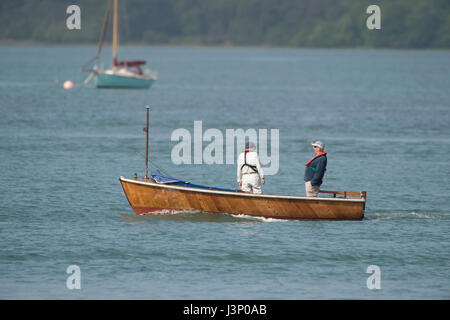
[250, 145]
[319, 144]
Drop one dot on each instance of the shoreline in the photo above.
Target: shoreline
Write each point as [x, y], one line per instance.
[28, 43]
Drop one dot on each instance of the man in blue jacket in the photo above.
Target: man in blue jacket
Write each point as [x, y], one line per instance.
[315, 169]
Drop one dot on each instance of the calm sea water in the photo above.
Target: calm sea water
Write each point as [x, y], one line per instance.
[384, 116]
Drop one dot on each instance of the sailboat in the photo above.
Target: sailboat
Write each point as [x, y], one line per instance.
[162, 194]
[123, 74]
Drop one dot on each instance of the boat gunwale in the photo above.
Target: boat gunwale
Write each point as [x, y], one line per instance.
[240, 194]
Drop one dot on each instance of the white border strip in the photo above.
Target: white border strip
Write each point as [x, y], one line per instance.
[231, 193]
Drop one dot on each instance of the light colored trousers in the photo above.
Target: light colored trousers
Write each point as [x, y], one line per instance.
[311, 191]
[251, 183]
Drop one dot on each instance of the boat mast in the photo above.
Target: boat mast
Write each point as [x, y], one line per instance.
[115, 36]
[146, 144]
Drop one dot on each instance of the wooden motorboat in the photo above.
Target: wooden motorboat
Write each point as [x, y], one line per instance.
[161, 194]
[146, 196]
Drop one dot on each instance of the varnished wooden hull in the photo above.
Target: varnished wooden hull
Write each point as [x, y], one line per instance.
[149, 197]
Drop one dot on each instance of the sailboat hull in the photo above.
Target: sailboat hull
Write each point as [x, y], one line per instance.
[146, 197]
[103, 80]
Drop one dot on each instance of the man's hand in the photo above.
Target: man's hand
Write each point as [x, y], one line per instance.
[263, 180]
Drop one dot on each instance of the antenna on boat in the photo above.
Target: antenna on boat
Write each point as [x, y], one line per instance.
[146, 144]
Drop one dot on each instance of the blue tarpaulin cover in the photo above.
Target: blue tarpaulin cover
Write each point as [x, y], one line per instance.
[163, 178]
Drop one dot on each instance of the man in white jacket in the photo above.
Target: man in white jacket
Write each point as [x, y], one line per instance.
[250, 175]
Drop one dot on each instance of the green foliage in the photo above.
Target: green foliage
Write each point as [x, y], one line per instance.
[300, 23]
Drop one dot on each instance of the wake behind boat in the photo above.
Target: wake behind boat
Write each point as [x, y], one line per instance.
[161, 194]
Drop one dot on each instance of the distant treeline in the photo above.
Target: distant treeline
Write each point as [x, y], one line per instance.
[296, 23]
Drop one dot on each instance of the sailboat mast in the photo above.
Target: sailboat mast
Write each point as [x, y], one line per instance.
[146, 144]
[115, 36]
